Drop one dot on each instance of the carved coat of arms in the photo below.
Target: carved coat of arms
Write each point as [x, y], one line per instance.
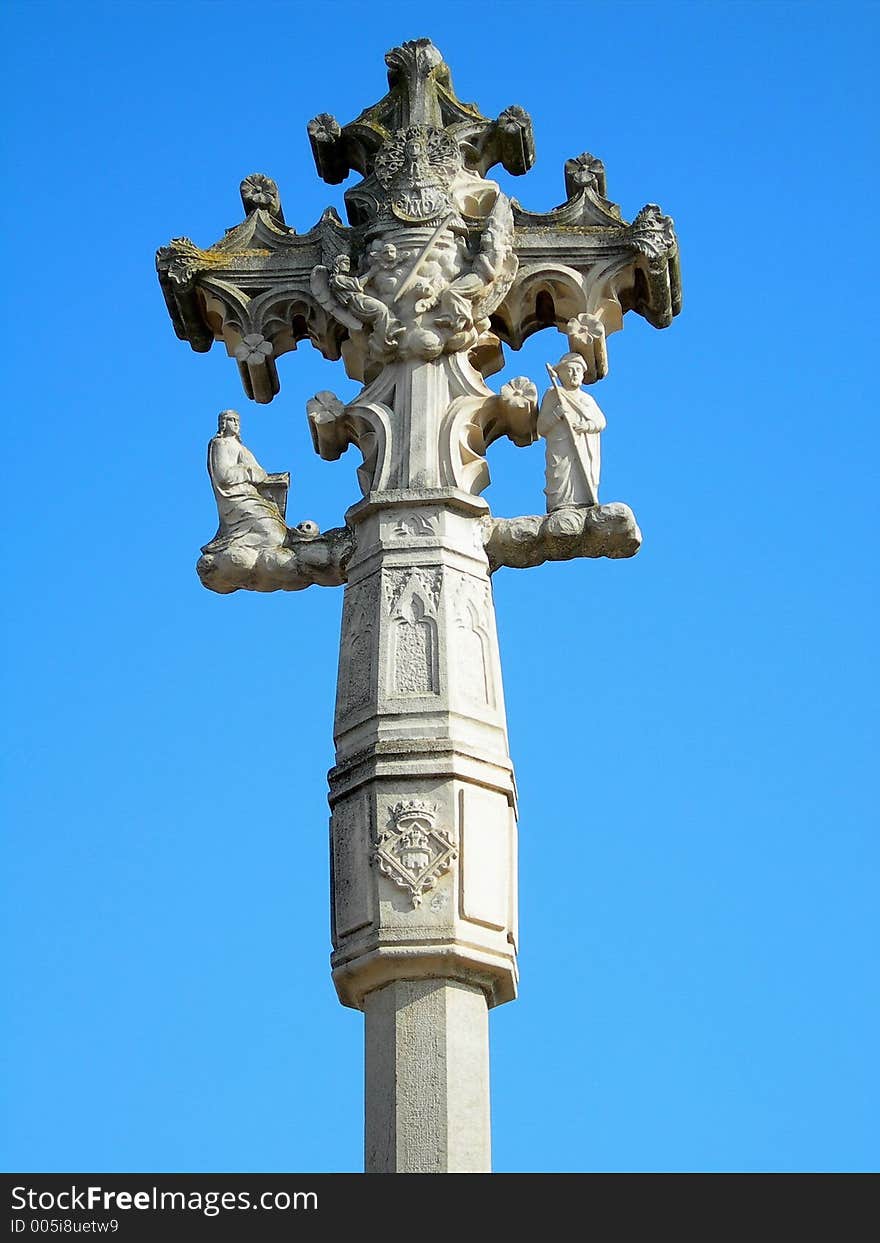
[411, 850]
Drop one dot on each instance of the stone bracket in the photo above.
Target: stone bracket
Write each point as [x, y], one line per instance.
[599, 531]
[293, 566]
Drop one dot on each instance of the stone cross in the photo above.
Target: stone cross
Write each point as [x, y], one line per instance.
[436, 270]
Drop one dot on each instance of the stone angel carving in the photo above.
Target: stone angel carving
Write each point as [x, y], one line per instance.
[570, 422]
[345, 297]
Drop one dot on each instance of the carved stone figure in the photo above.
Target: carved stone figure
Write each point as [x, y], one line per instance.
[439, 260]
[460, 301]
[254, 548]
[383, 271]
[570, 422]
[250, 502]
[348, 292]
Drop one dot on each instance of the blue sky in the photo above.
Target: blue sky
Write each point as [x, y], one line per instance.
[691, 729]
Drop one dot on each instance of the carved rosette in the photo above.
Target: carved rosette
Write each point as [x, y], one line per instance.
[260, 193]
[586, 336]
[412, 850]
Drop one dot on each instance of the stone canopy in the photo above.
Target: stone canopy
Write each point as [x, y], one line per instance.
[579, 267]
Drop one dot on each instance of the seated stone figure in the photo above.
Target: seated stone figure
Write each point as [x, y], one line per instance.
[250, 502]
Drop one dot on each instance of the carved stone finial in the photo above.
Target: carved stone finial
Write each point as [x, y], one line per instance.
[586, 336]
[517, 139]
[325, 139]
[584, 171]
[324, 128]
[652, 232]
[256, 366]
[254, 350]
[458, 266]
[411, 67]
[260, 193]
[519, 393]
[414, 57]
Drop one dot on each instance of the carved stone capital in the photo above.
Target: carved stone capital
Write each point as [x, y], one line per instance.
[424, 426]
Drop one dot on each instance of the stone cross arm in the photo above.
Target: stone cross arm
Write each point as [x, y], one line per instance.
[252, 290]
[603, 531]
[422, 155]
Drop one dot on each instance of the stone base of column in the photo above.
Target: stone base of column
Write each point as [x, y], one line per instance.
[427, 1079]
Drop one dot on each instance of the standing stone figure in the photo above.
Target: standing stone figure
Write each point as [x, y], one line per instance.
[250, 502]
[570, 422]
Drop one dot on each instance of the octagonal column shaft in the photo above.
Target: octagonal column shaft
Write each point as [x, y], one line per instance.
[427, 1079]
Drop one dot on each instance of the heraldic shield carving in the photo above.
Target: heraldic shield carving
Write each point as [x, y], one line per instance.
[412, 851]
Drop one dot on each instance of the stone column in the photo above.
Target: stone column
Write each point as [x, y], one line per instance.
[423, 826]
[427, 1078]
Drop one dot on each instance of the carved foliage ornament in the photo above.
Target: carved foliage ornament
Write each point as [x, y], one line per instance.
[652, 232]
[412, 851]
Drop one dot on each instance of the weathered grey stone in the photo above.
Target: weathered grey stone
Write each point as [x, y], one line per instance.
[312, 559]
[423, 425]
[251, 503]
[423, 798]
[601, 531]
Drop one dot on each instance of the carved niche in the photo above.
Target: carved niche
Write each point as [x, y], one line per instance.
[413, 596]
[356, 678]
[473, 663]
